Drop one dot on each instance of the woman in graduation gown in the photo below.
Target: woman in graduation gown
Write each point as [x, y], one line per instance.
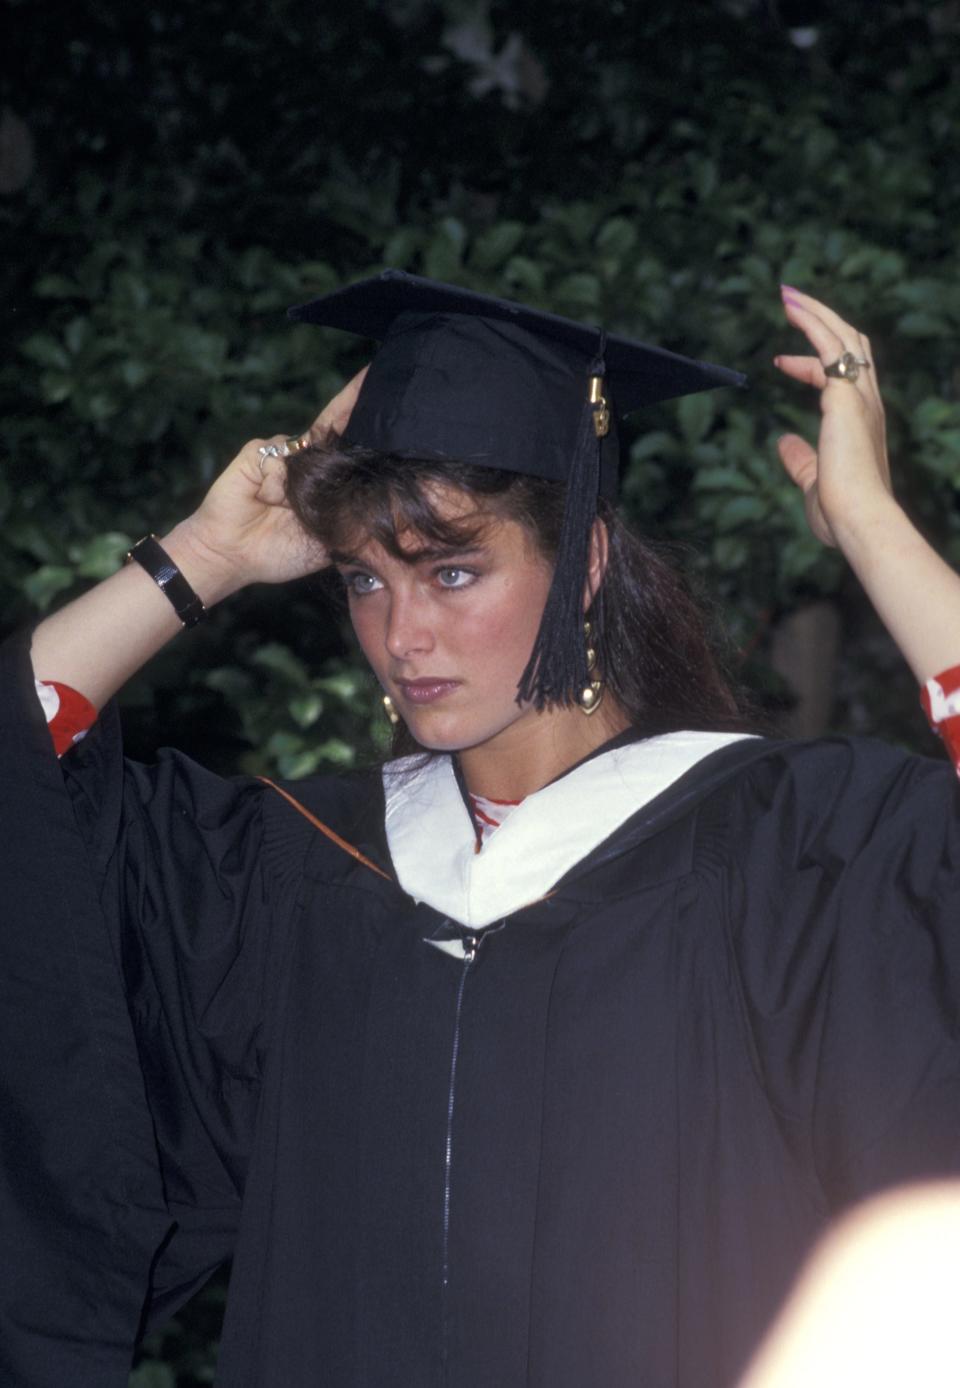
[557, 1104]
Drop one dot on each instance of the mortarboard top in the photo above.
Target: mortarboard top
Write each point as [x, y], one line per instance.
[468, 376]
[484, 380]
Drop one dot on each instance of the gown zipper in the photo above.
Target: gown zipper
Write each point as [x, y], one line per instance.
[471, 945]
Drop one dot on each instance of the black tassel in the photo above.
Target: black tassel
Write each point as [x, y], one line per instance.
[557, 669]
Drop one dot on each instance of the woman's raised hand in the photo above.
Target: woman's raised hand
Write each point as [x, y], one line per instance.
[849, 500]
[244, 530]
[847, 475]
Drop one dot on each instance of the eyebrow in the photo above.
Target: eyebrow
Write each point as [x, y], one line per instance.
[416, 556]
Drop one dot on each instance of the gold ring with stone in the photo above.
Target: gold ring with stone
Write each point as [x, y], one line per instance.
[846, 367]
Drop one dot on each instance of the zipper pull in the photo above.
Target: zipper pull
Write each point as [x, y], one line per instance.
[472, 943]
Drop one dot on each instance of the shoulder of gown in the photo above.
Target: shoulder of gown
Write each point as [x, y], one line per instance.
[143, 922]
[837, 871]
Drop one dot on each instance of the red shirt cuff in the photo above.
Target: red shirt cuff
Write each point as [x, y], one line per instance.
[70, 715]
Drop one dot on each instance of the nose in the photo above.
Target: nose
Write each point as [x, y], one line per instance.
[409, 632]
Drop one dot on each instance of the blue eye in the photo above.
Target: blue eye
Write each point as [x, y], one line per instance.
[359, 583]
[451, 577]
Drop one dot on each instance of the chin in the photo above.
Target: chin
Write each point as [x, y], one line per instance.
[451, 734]
[440, 740]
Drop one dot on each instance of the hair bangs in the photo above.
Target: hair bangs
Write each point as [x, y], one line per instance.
[412, 508]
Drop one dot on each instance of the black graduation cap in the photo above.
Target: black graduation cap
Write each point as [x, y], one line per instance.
[483, 380]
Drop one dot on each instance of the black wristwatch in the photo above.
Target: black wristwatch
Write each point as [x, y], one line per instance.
[154, 560]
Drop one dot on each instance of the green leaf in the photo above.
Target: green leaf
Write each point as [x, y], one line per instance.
[283, 744]
[657, 444]
[922, 324]
[234, 684]
[730, 552]
[525, 276]
[56, 386]
[705, 456]
[617, 238]
[34, 539]
[820, 147]
[280, 660]
[336, 752]
[740, 510]
[725, 479]
[134, 374]
[444, 253]
[704, 179]
[99, 406]
[101, 556]
[495, 245]
[56, 287]
[46, 351]
[579, 293]
[44, 584]
[799, 555]
[77, 334]
[695, 414]
[933, 414]
[295, 765]
[305, 709]
[345, 686]
[400, 249]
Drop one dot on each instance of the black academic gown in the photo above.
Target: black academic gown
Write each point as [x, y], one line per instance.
[591, 1152]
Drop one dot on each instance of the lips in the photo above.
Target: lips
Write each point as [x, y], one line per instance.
[426, 691]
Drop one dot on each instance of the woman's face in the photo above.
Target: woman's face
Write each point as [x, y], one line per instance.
[449, 634]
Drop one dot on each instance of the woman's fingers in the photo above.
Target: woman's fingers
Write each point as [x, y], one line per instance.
[825, 339]
[807, 370]
[336, 414]
[799, 459]
[269, 455]
[271, 469]
[831, 337]
[849, 465]
[842, 331]
[801, 466]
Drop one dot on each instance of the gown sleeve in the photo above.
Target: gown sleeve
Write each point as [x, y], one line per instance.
[845, 924]
[138, 912]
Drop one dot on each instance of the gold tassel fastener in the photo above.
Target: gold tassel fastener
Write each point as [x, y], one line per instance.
[601, 410]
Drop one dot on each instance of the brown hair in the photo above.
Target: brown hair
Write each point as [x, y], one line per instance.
[653, 641]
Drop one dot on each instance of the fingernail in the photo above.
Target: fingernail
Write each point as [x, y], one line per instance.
[789, 289]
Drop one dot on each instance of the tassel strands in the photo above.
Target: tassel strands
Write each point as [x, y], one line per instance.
[557, 671]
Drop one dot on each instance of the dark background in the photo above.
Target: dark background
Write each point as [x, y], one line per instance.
[172, 175]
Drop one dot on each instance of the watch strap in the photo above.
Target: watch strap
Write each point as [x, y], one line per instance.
[154, 560]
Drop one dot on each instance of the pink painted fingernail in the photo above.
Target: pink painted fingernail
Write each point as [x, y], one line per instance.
[789, 289]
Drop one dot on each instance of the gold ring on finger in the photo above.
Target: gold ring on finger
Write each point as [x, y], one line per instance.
[296, 444]
[846, 367]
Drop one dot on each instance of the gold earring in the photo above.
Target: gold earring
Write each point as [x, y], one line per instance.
[390, 710]
[591, 696]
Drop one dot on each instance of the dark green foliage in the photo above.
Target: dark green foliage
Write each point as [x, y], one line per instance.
[199, 164]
